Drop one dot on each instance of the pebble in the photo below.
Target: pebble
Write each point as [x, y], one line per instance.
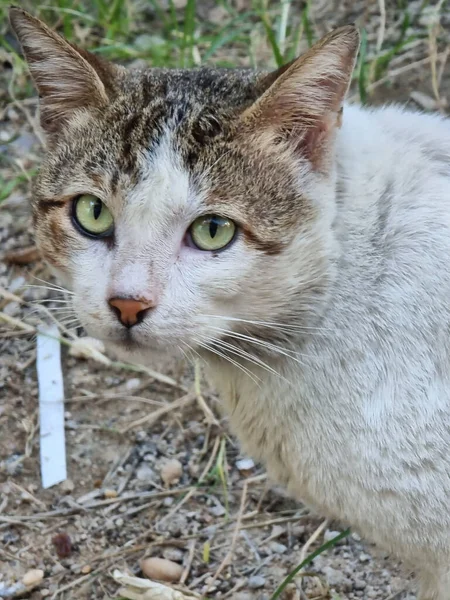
[337, 578]
[277, 547]
[144, 473]
[364, 558]
[173, 554]
[33, 577]
[218, 510]
[330, 534]
[171, 471]
[245, 464]
[67, 486]
[359, 584]
[11, 309]
[256, 582]
[16, 284]
[110, 494]
[86, 569]
[132, 383]
[161, 569]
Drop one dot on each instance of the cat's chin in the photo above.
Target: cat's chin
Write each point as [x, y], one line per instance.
[131, 351]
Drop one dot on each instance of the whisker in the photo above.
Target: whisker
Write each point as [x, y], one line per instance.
[245, 355]
[283, 351]
[274, 325]
[49, 286]
[51, 300]
[230, 360]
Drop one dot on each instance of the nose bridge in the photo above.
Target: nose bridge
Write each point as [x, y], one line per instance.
[132, 272]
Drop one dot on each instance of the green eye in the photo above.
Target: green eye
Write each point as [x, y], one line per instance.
[212, 232]
[92, 216]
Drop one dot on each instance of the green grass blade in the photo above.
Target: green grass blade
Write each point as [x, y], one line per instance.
[306, 22]
[222, 40]
[189, 31]
[279, 59]
[280, 589]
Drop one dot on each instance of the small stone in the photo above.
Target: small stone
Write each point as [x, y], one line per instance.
[256, 582]
[335, 577]
[171, 471]
[33, 577]
[173, 554]
[161, 569]
[86, 569]
[12, 309]
[133, 383]
[218, 510]
[277, 547]
[145, 473]
[110, 494]
[359, 584]
[16, 284]
[329, 535]
[364, 558]
[45, 592]
[245, 464]
[57, 569]
[67, 486]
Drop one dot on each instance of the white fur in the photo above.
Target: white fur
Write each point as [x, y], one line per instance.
[362, 429]
[357, 423]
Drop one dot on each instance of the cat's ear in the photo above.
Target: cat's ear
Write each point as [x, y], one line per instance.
[66, 77]
[302, 101]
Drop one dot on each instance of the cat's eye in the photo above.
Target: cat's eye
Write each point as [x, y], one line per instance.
[92, 217]
[212, 232]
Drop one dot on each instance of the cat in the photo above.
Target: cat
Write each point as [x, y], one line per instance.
[299, 244]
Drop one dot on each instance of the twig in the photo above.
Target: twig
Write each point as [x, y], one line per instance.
[27, 494]
[17, 323]
[226, 561]
[400, 71]
[382, 28]
[154, 416]
[312, 539]
[188, 565]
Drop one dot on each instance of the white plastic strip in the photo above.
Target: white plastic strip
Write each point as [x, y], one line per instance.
[51, 407]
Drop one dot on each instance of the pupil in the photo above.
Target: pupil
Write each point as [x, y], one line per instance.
[213, 227]
[97, 209]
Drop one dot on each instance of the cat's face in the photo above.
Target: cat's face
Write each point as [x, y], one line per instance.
[188, 209]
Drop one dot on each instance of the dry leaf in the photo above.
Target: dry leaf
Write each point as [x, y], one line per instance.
[87, 347]
[136, 588]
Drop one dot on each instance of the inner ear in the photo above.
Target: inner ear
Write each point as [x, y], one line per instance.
[66, 77]
[302, 104]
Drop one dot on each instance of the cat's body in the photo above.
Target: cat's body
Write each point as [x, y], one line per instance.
[324, 318]
[359, 427]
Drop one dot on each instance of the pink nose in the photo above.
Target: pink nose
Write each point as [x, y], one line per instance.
[129, 310]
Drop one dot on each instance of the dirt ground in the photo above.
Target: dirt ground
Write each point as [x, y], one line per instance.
[124, 428]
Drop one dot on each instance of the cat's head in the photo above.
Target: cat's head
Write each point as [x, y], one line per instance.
[188, 207]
